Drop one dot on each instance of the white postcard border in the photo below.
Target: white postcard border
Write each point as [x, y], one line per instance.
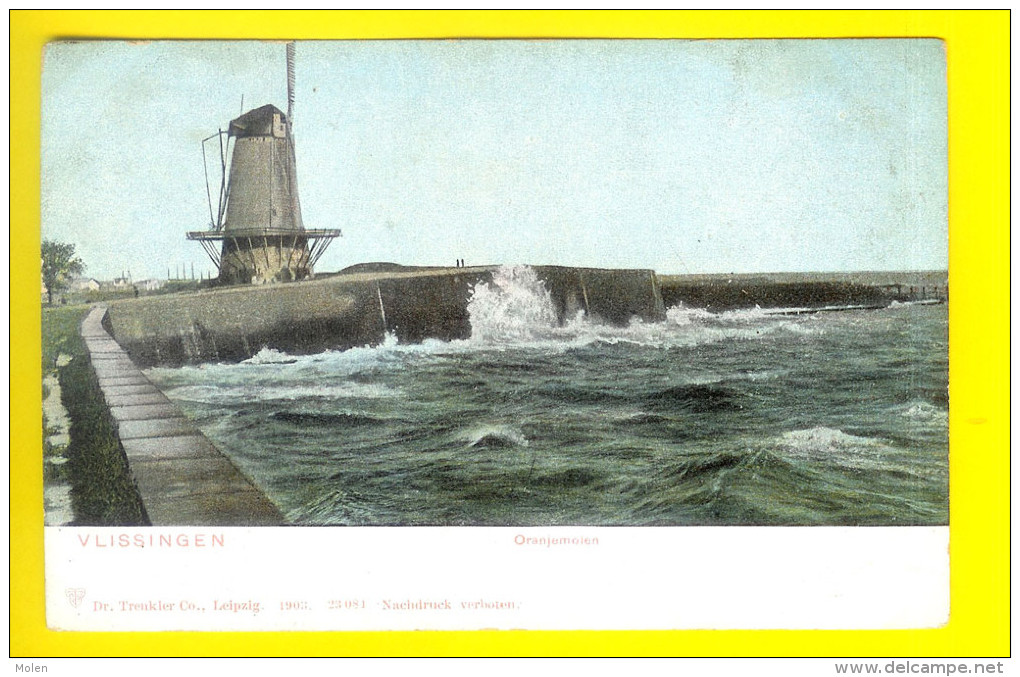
[444, 578]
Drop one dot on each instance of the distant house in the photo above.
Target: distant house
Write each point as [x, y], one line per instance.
[84, 284]
[150, 285]
[121, 282]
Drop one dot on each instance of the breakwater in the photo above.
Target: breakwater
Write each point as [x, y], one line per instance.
[345, 311]
[802, 290]
[361, 307]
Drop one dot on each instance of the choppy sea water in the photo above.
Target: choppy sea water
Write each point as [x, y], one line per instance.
[748, 417]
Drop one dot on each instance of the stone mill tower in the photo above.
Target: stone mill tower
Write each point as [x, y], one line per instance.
[257, 234]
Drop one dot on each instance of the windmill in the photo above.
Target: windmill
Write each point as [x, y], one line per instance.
[256, 234]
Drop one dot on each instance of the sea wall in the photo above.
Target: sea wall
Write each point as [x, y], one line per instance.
[359, 308]
[802, 290]
[345, 311]
[606, 296]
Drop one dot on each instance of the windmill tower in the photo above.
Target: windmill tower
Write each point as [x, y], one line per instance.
[257, 234]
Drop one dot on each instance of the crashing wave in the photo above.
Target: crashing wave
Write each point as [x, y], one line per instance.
[495, 437]
[241, 393]
[925, 412]
[270, 356]
[515, 306]
[682, 316]
[832, 446]
[821, 438]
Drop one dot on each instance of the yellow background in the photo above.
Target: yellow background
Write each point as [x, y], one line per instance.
[978, 72]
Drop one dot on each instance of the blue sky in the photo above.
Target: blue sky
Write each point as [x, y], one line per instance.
[682, 156]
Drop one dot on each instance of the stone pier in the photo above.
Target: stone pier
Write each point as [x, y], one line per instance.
[181, 477]
[230, 324]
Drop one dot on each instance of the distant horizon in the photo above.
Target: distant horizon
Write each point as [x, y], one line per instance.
[686, 157]
[87, 275]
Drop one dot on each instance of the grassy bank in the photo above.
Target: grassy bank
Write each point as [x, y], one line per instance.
[102, 493]
[60, 334]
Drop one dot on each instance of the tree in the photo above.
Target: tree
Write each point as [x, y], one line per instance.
[59, 265]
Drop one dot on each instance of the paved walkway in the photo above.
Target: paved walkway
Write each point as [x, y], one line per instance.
[181, 477]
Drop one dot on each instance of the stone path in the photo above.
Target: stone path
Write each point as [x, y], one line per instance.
[181, 477]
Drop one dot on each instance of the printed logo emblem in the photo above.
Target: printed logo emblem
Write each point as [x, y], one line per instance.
[75, 596]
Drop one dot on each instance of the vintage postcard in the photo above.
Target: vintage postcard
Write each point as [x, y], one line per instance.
[513, 334]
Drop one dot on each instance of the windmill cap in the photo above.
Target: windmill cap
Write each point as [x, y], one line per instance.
[257, 122]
